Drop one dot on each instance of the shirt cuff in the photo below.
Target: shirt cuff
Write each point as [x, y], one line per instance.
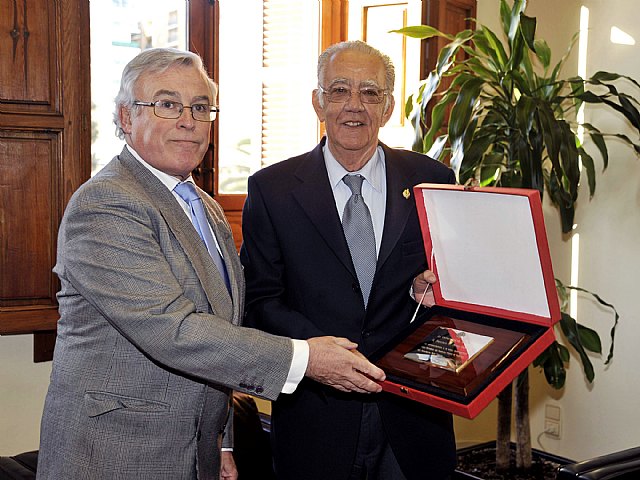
[298, 367]
[226, 449]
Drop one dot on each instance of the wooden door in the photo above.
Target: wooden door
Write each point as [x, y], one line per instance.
[44, 148]
[449, 16]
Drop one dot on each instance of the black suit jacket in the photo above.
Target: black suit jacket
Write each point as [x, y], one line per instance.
[301, 283]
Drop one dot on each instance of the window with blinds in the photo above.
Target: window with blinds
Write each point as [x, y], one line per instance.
[268, 53]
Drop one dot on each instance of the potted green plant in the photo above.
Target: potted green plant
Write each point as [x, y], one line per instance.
[511, 120]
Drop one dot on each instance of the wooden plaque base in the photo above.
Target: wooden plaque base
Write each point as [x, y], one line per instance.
[465, 382]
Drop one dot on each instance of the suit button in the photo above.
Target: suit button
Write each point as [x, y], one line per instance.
[242, 385]
[356, 288]
[259, 389]
[366, 333]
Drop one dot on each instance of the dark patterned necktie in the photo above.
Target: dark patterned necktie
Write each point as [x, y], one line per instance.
[358, 230]
[187, 191]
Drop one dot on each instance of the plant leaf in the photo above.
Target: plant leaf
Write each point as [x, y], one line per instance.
[528, 29]
[422, 32]
[514, 19]
[589, 167]
[612, 333]
[495, 48]
[570, 330]
[598, 141]
[602, 76]
[543, 52]
[552, 363]
[463, 107]
[589, 339]
[447, 55]
[437, 147]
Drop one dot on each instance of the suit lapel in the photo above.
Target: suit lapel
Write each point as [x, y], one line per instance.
[316, 198]
[212, 283]
[399, 206]
[228, 248]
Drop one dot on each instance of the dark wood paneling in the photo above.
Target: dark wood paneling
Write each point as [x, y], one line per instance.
[29, 217]
[203, 18]
[45, 148]
[449, 16]
[335, 20]
[235, 220]
[43, 345]
[29, 48]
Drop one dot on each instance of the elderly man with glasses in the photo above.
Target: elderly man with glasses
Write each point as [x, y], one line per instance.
[332, 246]
[149, 346]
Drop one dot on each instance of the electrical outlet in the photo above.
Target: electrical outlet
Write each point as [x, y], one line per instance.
[552, 420]
[552, 428]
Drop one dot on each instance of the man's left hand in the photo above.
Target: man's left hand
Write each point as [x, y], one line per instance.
[423, 283]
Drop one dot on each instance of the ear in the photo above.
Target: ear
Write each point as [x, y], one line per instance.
[315, 100]
[389, 111]
[124, 113]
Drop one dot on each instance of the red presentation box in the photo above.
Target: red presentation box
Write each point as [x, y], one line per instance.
[488, 247]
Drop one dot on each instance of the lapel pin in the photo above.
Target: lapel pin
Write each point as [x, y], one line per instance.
[406, 194]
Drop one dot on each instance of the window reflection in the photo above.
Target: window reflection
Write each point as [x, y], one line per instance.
[267, 73]
[120, 29]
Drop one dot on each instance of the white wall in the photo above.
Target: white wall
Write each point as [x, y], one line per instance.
[602, 417]
[23, 386]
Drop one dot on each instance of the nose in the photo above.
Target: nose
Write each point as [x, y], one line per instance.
[185, 119]
[354, 104]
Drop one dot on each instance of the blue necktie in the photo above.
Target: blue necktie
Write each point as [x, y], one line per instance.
[187, 191]
[358, 230]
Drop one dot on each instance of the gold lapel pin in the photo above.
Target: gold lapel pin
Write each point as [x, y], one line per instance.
[406, 194]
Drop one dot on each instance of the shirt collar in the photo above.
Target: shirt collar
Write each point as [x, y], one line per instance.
[168, 180]
[373, 170]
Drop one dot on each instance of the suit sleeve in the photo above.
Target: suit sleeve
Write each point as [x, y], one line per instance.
[265, 273]
[119, 256]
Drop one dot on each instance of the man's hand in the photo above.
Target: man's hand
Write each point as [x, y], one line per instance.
[335, 361]
[228, 468]
[421, 284]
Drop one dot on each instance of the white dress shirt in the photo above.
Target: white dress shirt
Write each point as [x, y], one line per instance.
[374, 187]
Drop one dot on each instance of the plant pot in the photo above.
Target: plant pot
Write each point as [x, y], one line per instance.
[478, 463]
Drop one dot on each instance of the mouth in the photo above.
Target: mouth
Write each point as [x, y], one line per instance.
[187, 146]
[353, 124]
[187, 143]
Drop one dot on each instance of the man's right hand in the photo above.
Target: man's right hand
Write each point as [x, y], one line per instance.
[335, 361]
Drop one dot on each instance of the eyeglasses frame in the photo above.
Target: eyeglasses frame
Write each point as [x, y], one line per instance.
[212, 109]
[325, 91]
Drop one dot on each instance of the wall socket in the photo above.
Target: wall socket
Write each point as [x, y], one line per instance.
[552, 421]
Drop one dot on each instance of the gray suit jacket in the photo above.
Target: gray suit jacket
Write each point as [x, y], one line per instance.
[148, 347]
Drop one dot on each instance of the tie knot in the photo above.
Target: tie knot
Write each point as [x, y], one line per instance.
[187, 191]
[354, 182]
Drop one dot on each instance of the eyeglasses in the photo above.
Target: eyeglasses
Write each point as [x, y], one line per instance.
[343, 94]
[169, 109]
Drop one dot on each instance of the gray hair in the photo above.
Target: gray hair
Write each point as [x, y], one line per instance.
[154, 61]
[359, 46]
